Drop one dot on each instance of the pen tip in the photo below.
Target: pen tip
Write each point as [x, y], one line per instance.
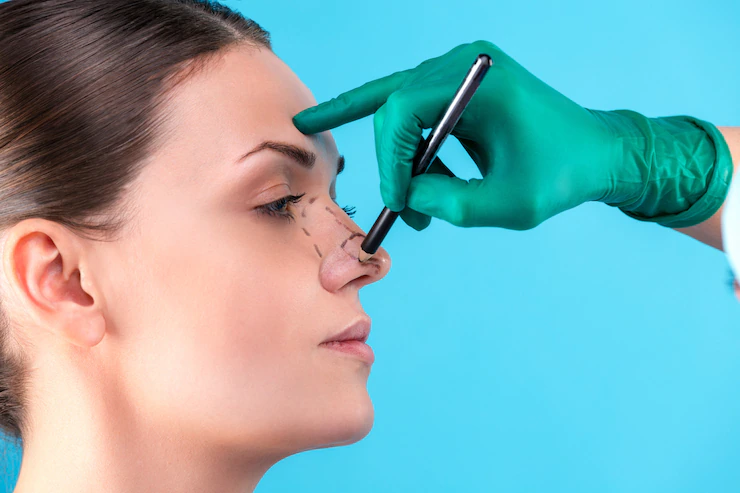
[363, 256]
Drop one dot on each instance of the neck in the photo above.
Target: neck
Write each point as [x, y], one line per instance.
[93, 443]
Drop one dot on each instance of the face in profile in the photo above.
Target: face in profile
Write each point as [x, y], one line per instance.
[220, 294]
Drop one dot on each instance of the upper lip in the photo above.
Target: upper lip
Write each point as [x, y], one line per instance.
[358, 330]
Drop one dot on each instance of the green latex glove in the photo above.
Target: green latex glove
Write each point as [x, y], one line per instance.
[539, 153]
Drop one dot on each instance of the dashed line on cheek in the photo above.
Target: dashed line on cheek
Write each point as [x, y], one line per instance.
[317, 250]
[306, 231]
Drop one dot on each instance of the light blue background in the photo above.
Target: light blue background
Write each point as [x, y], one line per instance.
[593, 353]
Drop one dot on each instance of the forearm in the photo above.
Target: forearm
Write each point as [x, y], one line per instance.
[710, 231]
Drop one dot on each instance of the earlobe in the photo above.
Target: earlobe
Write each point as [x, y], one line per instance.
[43, 263]
[88, 330]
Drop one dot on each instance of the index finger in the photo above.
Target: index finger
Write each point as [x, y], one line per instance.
[349, 106]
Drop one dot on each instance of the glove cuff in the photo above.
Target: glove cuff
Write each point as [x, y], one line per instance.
[685, 165]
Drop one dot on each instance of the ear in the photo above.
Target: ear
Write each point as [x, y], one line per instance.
[45, 266]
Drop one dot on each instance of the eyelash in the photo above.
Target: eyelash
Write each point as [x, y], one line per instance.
[279, 209]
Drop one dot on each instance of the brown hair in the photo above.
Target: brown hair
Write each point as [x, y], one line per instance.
[82, 90]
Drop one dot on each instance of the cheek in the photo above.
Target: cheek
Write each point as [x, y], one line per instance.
[222, 326]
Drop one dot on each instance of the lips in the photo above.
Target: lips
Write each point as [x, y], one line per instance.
[351, 341]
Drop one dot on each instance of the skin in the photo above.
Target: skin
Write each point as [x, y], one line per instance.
[710, 231]
[185, 356]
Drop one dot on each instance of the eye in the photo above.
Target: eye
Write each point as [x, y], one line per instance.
[279, 208]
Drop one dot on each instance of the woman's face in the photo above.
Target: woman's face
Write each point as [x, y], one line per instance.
[218, 309]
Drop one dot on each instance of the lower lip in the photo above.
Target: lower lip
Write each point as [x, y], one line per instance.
[355, 348]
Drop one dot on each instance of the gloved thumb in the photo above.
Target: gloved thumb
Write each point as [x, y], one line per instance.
[415, 219]
[457, 201]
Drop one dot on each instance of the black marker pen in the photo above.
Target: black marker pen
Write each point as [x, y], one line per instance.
[428, 149]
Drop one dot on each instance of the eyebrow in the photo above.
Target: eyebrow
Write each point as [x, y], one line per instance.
[302, 156]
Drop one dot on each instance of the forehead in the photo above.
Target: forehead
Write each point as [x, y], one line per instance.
[244, 97]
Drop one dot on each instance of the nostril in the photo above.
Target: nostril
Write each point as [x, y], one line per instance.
[362, 280]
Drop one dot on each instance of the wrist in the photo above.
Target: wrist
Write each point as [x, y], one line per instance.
[624, 172]
[674, 170]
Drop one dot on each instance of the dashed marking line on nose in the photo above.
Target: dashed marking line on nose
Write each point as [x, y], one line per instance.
[310, 201]
[341, 223]
[354, 235]
[371, 261]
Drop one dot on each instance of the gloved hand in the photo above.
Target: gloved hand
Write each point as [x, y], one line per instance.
[539, 153]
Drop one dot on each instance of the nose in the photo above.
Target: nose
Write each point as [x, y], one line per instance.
[341, 267]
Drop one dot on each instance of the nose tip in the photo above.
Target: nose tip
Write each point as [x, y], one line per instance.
[382, 258]
[342, 265]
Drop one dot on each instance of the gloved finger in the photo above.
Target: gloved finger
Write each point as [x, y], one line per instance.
[398, 128]
[444, 197]
[437, 165]
[474, 202]
[366, 99]
[416, 219]
[350, 105]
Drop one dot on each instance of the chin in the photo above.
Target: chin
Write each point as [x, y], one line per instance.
[350, 423]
